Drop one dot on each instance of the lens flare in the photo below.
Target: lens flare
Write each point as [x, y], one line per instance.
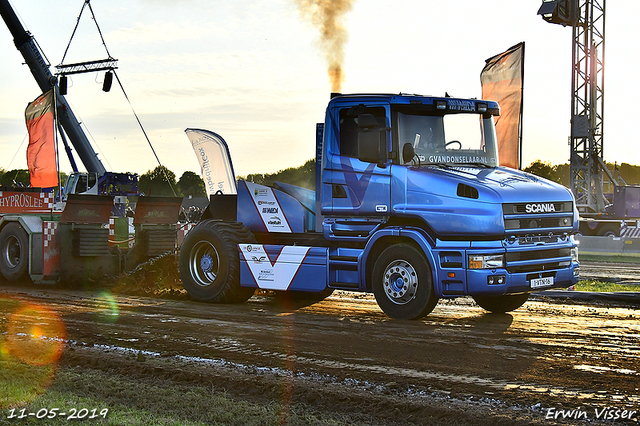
[32, 339]
[35, 335]
[106, 306]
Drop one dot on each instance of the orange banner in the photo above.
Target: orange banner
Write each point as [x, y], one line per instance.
[502, 81]
[41, 152]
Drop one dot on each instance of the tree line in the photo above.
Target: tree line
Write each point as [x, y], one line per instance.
[162, 182]
[561, 173]
[159, 182]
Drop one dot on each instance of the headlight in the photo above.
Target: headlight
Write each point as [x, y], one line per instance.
[574, 254]
[486, 261]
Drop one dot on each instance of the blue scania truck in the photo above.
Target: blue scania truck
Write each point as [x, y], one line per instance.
[409, 203]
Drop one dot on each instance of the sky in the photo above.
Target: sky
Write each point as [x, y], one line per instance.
[254, 72]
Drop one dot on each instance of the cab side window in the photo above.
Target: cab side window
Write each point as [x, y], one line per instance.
[348, 140]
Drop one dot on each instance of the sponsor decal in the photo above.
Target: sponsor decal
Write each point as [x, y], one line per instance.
[268, 208]
[87, 213]
[155, 213]
[22, 200]
[459, 159]
[461, 105]
[273, 274]
[274, 220]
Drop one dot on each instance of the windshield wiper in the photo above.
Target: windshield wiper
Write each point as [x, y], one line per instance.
[483, 165]
[439, 165]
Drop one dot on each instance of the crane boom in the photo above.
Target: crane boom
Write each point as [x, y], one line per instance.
[32, 55]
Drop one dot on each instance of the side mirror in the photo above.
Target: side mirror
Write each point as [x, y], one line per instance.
[408, 153]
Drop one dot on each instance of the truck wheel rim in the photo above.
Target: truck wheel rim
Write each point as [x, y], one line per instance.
[204, 263]
[12, 251]
[400, 282]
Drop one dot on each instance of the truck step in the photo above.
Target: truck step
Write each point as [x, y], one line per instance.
[343, 263]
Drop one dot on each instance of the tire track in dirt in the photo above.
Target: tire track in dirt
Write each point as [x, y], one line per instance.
[544, 354]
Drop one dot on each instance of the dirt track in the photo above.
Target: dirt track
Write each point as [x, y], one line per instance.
[459, 365]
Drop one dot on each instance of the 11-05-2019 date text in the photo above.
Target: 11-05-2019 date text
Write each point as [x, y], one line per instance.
[51, 413]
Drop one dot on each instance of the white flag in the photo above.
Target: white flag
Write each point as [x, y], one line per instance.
[215, 161]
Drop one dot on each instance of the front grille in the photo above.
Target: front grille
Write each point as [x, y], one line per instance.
[536, 208]
[538, 260]
[538, 254]
[538, 217]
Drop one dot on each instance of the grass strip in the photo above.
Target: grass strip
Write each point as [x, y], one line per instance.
[153, 402]
[609, 257]
[605, 287]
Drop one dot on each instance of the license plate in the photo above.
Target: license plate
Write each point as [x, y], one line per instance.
[541, 282]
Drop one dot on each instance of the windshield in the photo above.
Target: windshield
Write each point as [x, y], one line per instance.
[452, 139]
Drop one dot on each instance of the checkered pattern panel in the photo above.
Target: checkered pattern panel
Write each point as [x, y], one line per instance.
[47, 199]
[48, 230]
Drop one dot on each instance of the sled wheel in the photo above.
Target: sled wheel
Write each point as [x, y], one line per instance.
[501, 304]
[402, 283]
[210, 262]
[14, 251]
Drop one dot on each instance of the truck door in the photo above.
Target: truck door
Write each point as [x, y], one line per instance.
[358, 169]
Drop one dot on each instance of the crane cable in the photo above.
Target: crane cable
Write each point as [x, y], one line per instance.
[87, 3]
[162, 168]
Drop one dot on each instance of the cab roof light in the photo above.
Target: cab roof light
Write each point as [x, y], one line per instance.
[481, 107]
[441, 104]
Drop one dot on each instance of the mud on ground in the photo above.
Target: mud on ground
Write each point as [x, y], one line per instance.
[344, 357]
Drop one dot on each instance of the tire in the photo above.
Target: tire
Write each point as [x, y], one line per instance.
[501, 304]
[14, 252]
[403, 264]
[609, 230]
[210, 262]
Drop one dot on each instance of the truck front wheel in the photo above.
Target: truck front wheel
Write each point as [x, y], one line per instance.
[501, 304]
[14, 251]
[402, 283]
[210, 262]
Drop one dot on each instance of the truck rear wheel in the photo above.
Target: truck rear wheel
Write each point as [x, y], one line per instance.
[210, 262]
[501, 304]
[402, 283]
[14, 251]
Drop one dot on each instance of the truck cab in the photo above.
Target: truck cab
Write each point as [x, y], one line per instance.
[410, 204]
